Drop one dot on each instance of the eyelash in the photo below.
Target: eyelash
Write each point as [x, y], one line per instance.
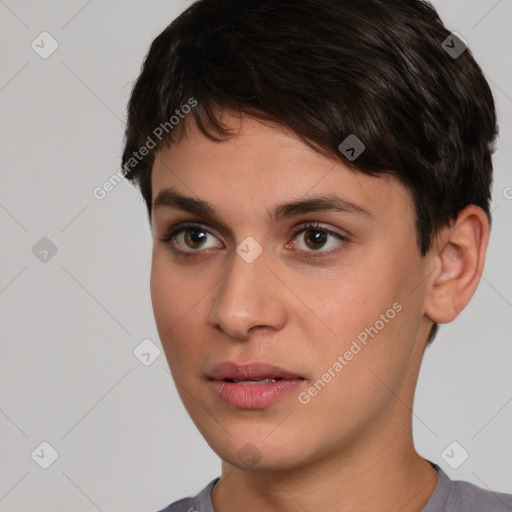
[168, 238]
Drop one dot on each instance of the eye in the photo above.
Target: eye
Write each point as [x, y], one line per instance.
[188, 238]
[315, 237]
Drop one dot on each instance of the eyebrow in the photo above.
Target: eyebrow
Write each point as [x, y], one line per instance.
[172, 199]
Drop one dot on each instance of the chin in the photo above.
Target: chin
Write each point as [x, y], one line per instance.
[257, 452]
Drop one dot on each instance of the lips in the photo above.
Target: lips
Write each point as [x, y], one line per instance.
[232, 372]
[252, 386]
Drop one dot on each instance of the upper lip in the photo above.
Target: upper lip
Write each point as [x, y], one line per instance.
[250, 371]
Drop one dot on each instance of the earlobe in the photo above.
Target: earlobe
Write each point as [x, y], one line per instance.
[459, 255]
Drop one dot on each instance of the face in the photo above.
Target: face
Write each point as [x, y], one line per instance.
[328, 289]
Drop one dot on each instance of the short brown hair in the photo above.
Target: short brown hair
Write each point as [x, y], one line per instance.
[327, 69]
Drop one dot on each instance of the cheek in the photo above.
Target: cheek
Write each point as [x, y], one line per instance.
[163, 297]
[365, 310]
[179, 299]
[171, 298]
[174, 291]
[350, 300]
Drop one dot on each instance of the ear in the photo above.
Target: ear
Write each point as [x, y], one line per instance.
[458, 258]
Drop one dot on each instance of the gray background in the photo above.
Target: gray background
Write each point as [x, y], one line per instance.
[69, 326]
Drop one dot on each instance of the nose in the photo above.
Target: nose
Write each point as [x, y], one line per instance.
[250, 296]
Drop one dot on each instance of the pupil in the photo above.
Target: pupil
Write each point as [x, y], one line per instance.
[316, 237]
[194, 238]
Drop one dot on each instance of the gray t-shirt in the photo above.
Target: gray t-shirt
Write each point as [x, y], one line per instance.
[448, 496]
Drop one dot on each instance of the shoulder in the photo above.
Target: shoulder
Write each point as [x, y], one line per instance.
[460, 496]
[468, 497]
[200, 503]
[183, 505]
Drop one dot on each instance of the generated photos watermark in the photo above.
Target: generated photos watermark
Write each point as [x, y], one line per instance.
[355, 348]
[158, 133]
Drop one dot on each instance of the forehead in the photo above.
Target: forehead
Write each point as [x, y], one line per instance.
[262, 165]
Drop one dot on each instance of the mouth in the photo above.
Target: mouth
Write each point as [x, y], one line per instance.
[252, 386]
[251, 373]
[252, 381]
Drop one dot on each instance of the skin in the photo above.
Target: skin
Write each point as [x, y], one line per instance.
[350, 447]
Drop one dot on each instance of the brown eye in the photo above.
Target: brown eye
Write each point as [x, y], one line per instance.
[315, 238]
[190, 238]
[194, 238]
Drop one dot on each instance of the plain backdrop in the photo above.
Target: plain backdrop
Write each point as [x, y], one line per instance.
[71, 317]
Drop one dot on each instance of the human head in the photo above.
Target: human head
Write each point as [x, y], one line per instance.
[327, 69]
[253, 120]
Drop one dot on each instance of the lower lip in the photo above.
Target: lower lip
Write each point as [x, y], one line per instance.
[254, 396]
